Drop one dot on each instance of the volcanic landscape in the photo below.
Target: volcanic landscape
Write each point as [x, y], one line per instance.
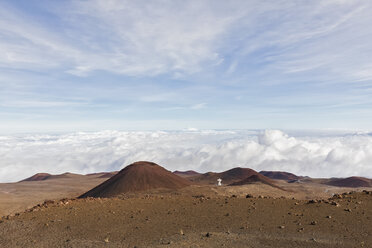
[145, 205]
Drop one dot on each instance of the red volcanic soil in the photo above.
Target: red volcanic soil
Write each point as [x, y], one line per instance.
[139, 176]
[37, 177]
[189, 173]
[280, 175]
[258, 178]
[352, 182]
[229, 176]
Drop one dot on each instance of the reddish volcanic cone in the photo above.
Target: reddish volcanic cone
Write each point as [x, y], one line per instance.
[37, 177]
[47, 176]
[139, 176]
[189, 173]
[229, 176]
[280, 175]
[258, 178]
[352, 182]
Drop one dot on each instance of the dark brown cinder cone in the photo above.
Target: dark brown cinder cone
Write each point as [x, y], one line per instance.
[139, 176]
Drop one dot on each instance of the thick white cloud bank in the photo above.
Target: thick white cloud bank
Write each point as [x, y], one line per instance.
[313, 155]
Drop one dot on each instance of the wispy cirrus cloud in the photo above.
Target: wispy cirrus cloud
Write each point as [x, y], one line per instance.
[131, 38]
[148, 38]
[147, 56]
[199, 106]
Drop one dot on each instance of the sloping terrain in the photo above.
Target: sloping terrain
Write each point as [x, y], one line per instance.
[15, 197]
[139, 176]
[108, 174]
[280, 175]
[352, 182]
[47, 176]
[228, 177]
[255, 179]
[189, 173]
[103, 174]
[37, 177]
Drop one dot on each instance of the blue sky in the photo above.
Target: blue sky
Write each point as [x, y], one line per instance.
[145, 65]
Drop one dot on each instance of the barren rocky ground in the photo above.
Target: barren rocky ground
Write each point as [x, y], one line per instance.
[194, 217]
[16, 197]
[149, 206]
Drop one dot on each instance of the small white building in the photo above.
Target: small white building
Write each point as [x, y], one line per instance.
[219, 182]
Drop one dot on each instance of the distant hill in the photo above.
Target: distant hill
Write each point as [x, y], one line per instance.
[47, 176]
[351, 182]
[139, 176]
[103, 174]
[189, 173]
[258, 178]
[37, 177]
[228, 177]
[280, 175]
[108, 174]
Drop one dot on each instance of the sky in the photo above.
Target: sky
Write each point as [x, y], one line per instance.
[76, 66]
[88, 86]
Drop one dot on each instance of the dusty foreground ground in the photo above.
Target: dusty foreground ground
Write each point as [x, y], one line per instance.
[16, 197]
[194, 217]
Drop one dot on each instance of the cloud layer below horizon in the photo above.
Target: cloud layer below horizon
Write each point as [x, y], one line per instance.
[338, 155]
